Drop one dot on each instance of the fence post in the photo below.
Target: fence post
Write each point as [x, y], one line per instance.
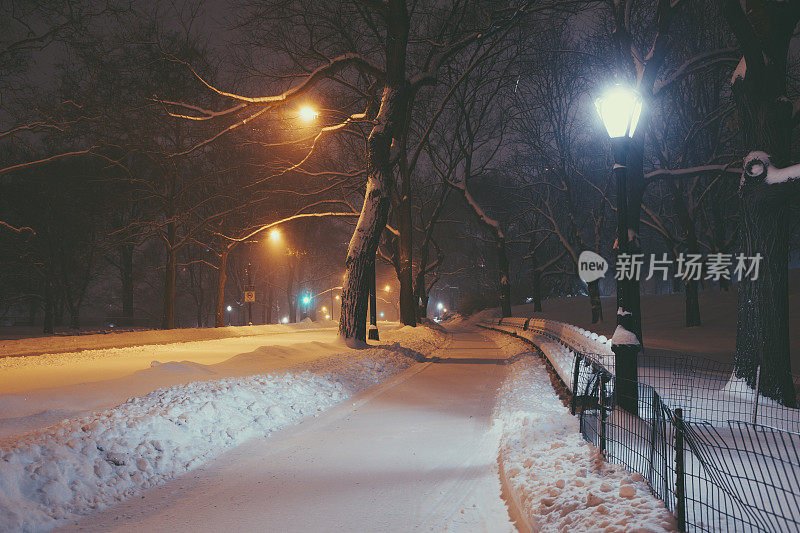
[656, 409]
[575, 374]
[680, 487]
[755, 400]
[602, 401]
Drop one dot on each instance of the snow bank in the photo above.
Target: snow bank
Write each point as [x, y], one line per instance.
[83, 464]
[74, 343]
[558, 480]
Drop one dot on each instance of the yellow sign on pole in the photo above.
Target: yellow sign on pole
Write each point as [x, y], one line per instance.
[249, 296]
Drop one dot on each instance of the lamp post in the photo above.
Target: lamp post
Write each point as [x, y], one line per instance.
[620, 108]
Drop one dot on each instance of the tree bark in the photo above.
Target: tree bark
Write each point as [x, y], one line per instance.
[764, 111]
[692, 303]
[408, 311]
[168, 317]
[222, 278]
[372, 221]
[126, 273]
[505, 284]
[594, 300]
[49, 308]
[537, 291]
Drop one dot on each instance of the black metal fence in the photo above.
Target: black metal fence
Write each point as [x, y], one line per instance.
[719, 458]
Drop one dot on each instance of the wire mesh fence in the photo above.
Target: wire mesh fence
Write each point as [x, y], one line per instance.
[721, 457]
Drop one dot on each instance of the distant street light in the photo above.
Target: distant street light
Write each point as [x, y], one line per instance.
[275, 235]
[285, 320]
[387, 288]
[308, 113]
[620, 109]
[230, 308]
[440, 306]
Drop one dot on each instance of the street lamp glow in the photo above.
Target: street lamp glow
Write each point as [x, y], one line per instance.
[275, 235]
[308, 113]
[440, 306]
[619, 108]
[285, 320]
[381, 314]
[306, 299]
[387, 288]
[324, 309]
[327, 317]
[338, 297]
[230, 308]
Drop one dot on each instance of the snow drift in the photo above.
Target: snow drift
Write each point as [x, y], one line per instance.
[558, 481]
[83, 464]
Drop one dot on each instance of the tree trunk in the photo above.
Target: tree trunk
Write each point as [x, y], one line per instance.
[537, 291]
[49, 308]
[222, 278]
[126, 273]
[74, 318]
[168, 317]
[692, 303]
[594, 301]
[762, 336]
[505, 284]
[268, 308]
[408, 311]
[389, 121]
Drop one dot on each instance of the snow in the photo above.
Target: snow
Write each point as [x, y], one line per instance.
[418, 452]
[740, 72]
[561, 482]
[624, 337]
[82, 464]
[757, 165]
[98, 341]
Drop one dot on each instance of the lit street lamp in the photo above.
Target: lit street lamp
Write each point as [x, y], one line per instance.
[620, 108]
[308, 113]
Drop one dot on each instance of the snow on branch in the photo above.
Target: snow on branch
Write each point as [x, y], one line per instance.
[21, 229]
[333, 67]
[759, 169]
[20, 166]
[265, 227]
[698, 62]
[665, 173]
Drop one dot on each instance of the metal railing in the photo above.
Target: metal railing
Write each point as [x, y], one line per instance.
[719, 458]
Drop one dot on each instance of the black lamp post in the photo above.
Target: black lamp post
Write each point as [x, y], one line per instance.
[619, 108]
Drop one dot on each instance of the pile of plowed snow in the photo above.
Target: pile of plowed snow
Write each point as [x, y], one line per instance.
[559, 481]
[82, 464]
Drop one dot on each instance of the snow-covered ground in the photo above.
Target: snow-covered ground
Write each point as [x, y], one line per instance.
[39, 391]
[82, 464]
[558, 481]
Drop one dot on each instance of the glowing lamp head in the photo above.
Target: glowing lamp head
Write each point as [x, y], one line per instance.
[230, 308]
[324, 309]
[285, 320]
[338, 297]
[327, 317]
[381, 314]
[619, 109]
[308, 114]
[306, 299]
[275, 235]
[440, 306]
[387, 288]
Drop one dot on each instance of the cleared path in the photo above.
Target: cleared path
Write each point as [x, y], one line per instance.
[418, 452]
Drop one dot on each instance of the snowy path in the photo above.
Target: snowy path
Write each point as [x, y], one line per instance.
[418, 450]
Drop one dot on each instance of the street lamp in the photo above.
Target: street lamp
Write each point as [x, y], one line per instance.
[275, 235]
[620, 108]
[387, 288]
[308, 113]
